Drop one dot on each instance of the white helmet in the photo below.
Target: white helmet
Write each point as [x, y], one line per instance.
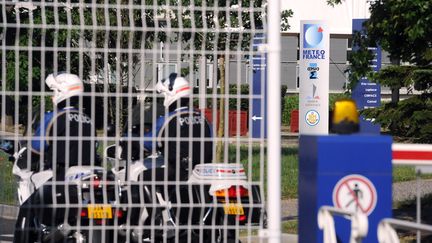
[174, 87]
[64, 85]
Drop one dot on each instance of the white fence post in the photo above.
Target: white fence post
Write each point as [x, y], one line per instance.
[274, 123]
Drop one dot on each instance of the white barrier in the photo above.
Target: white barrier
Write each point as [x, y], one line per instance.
[411, 154]
[359, 224]
[387, 232]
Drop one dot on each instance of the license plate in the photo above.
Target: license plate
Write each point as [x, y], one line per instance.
[233, 209]
[99, 211]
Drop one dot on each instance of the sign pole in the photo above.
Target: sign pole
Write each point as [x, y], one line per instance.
[258, 112]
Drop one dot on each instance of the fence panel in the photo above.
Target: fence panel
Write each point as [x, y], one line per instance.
[127, 155]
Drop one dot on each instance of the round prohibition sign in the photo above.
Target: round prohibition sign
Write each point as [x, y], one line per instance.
[355, 193]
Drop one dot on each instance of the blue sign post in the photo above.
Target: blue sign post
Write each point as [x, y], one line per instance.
[258, 121]
[367, 94]
[352, 172]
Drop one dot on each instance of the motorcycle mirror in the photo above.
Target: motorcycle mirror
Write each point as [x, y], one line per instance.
[111, 130]
[7, 146]
[110, 152]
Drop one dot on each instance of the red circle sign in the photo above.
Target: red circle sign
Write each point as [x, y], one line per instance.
[355, 193]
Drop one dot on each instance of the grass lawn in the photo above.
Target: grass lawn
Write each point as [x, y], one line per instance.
[407, 173]
[256, 165]
[8, 183]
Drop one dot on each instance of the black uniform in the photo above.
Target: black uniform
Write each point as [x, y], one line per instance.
[66, 138]
[63, 138]
[182, 135]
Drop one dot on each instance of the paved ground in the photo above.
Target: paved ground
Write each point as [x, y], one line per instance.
[408, 190]
[8, 216]
[6, 230]
[286, 238]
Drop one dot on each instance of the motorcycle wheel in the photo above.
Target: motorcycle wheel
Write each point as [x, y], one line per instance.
[25, 235]
[218, 236]
[96, 236]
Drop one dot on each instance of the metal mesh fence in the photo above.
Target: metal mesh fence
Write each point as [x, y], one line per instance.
[136, 153]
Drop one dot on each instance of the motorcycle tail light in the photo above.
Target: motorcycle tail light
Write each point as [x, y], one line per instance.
[118, 213]
[96, 182]
[233, 192]
[83, 212]
[241, 218]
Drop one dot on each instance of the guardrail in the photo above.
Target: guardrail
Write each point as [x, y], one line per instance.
[387, 232]
[412, 154]
[420, 156]
[359, 224]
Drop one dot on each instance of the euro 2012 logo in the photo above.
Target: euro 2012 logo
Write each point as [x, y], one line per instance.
[312, 117]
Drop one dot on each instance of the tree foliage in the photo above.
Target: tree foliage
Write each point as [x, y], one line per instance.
[333, 2]
[407, 120]
[88, 29]
[396, 76]
[402, 29]
[110, 38]
[360, 59]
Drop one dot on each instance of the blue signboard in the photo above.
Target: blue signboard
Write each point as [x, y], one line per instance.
[259, 102]
[367, 94]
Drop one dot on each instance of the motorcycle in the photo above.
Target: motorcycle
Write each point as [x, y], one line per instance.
[207, 204]
[84, 208]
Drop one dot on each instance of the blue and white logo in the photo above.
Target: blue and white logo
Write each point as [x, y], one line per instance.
[313, 70]
[313, 36]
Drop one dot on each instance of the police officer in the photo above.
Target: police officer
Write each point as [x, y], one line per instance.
[60, 139]
[174, 129]
[67, 133]
[184, 136]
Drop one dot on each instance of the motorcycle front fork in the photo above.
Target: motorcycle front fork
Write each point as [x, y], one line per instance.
[167, 218]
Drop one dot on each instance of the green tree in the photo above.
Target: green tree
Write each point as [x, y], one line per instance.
[333, 2]
[360, 59]
[92, 41]
[82, 37]
[402, 28]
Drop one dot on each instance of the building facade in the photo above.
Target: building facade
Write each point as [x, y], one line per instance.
[164, 59]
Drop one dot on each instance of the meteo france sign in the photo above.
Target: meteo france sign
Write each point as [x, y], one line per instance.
[314, 77]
